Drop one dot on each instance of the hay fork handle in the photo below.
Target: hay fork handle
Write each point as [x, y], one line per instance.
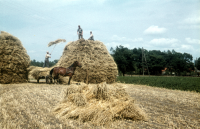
[53, 49]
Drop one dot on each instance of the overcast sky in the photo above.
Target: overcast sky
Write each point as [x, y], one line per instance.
[151, 24]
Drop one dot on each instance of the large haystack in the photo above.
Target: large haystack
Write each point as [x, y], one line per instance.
[97, 64]
[14, 60]
[99, 104]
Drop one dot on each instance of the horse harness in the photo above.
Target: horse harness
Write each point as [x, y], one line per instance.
[68, 70]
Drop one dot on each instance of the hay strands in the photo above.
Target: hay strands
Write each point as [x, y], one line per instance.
[56, 42]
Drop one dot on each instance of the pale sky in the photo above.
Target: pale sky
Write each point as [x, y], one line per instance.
[151, 24]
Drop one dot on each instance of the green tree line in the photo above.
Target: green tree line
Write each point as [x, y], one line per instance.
[129, 61]
[41, 63]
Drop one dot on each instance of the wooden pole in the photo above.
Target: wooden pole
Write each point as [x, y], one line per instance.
[53, 48]
[142, 62]
[146, 63]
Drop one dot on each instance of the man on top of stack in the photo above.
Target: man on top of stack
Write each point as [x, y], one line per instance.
[79, 32]
[91, 36]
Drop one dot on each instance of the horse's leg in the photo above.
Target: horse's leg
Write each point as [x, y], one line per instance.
[54, 80]
[58, 79]
[69, 80]
[38, 80]
[51, 80]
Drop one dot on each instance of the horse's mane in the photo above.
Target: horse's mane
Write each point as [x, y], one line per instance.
[71, 65]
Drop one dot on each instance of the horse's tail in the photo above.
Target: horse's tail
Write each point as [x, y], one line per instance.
[51, 72]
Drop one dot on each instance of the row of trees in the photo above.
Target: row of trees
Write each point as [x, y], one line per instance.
[41, 63]
[129, 60]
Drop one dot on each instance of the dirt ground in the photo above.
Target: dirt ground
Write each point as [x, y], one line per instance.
[30, 105]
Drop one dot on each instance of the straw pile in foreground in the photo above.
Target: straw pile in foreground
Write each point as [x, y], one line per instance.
[14, 60]
[98, 104]
[97, 64]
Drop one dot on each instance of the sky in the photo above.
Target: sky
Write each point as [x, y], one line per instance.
[152, 24]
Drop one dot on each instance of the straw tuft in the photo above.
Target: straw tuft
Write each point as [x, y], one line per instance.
[56, 42]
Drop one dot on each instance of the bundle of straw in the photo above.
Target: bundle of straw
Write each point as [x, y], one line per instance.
[56, 42]
[99, 104]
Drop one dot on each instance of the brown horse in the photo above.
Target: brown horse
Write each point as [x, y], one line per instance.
[56, 71]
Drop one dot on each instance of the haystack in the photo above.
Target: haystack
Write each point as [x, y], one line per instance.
[14, 60]
[97, 64]
[99, 104]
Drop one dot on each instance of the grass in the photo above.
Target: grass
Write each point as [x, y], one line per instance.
[178, 83]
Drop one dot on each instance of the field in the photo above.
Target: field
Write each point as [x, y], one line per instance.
[178, 83]
[29, 105]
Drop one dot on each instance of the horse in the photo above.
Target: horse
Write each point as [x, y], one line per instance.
[56, 71]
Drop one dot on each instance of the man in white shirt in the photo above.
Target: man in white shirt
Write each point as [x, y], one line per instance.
[46, 62]
[91, 36]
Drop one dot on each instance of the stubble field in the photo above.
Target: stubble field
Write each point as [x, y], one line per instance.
[30, 105]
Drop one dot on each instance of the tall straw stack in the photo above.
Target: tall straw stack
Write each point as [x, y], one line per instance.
[14, 60]
[97, 64]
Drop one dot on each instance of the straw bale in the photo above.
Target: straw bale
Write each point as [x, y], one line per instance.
[101, 91]
[39, 72]
[78, 99]
[97, 64]
[133, 112]
[30, 68]
[56, 41]
[14, 60]
[99, 104]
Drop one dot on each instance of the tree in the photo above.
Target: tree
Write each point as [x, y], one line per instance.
[129, 60]
[41, 63]
[197, 63]
[123, 59]
[156, 62]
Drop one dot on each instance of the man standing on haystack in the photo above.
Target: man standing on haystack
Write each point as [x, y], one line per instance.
[91, 36]
[46, 62]
[79, 32]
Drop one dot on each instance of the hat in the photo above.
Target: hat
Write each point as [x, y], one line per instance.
[47, 52]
